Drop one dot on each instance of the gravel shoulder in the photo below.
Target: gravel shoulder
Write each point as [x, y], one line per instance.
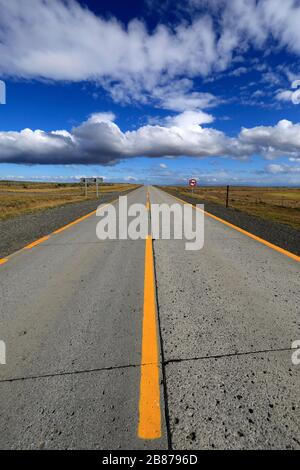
[281, 235]
[19, 231]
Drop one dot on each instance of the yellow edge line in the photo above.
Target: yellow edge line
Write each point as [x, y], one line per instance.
[249, 234]
[149, 426]
[61, 229]
[37, 242]
[64, 227]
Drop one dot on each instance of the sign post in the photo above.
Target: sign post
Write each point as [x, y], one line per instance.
[192, 184]
[227, 196]
[87, 181]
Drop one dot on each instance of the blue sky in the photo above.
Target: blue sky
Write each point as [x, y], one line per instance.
[144, 91]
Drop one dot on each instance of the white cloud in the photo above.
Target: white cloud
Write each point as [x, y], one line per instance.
[189, 119]
[177, 95]
[239, 71]
[284, 95]
[292, 95]
[272, 78]
[131, 179]
[100, 140]
[258, 94]
[273, 141]
[276, 169]
[97, 118]
[62, 40]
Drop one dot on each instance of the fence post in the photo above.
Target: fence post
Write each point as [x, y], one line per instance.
[227, 196]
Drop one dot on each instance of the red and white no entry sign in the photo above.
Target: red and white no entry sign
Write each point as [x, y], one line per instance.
[193, 182]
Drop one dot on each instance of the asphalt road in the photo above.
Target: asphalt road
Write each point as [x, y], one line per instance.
[92, 363]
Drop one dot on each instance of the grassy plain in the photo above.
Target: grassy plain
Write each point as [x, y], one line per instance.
[276, 204]
[21, 197]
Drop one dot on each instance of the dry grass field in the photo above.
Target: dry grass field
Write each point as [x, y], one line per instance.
[277, 204]
[21, 197]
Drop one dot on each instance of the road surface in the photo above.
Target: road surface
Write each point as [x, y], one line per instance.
[134, 344]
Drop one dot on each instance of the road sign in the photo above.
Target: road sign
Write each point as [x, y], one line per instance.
[91, 180]
[193, 182]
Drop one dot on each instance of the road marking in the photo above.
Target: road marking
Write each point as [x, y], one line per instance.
[76, 221]
[149, 406]
[61, 229]
[249, 234]
[37, 242]
[148, 201]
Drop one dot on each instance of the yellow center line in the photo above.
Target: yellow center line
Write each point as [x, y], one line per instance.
[149, 426]
[249, 234]
[37, 242]
[3, 260]
[148, 201]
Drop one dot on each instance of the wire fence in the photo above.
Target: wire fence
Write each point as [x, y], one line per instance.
[238, 196]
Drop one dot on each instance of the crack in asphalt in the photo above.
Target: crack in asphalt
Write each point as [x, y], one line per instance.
[74, 372]
[219, 356]
[86, 243]
[163, 362]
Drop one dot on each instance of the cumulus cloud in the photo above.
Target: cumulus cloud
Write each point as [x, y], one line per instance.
[189, 119]
[99, 140]
[37, 146]
[273, 141]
